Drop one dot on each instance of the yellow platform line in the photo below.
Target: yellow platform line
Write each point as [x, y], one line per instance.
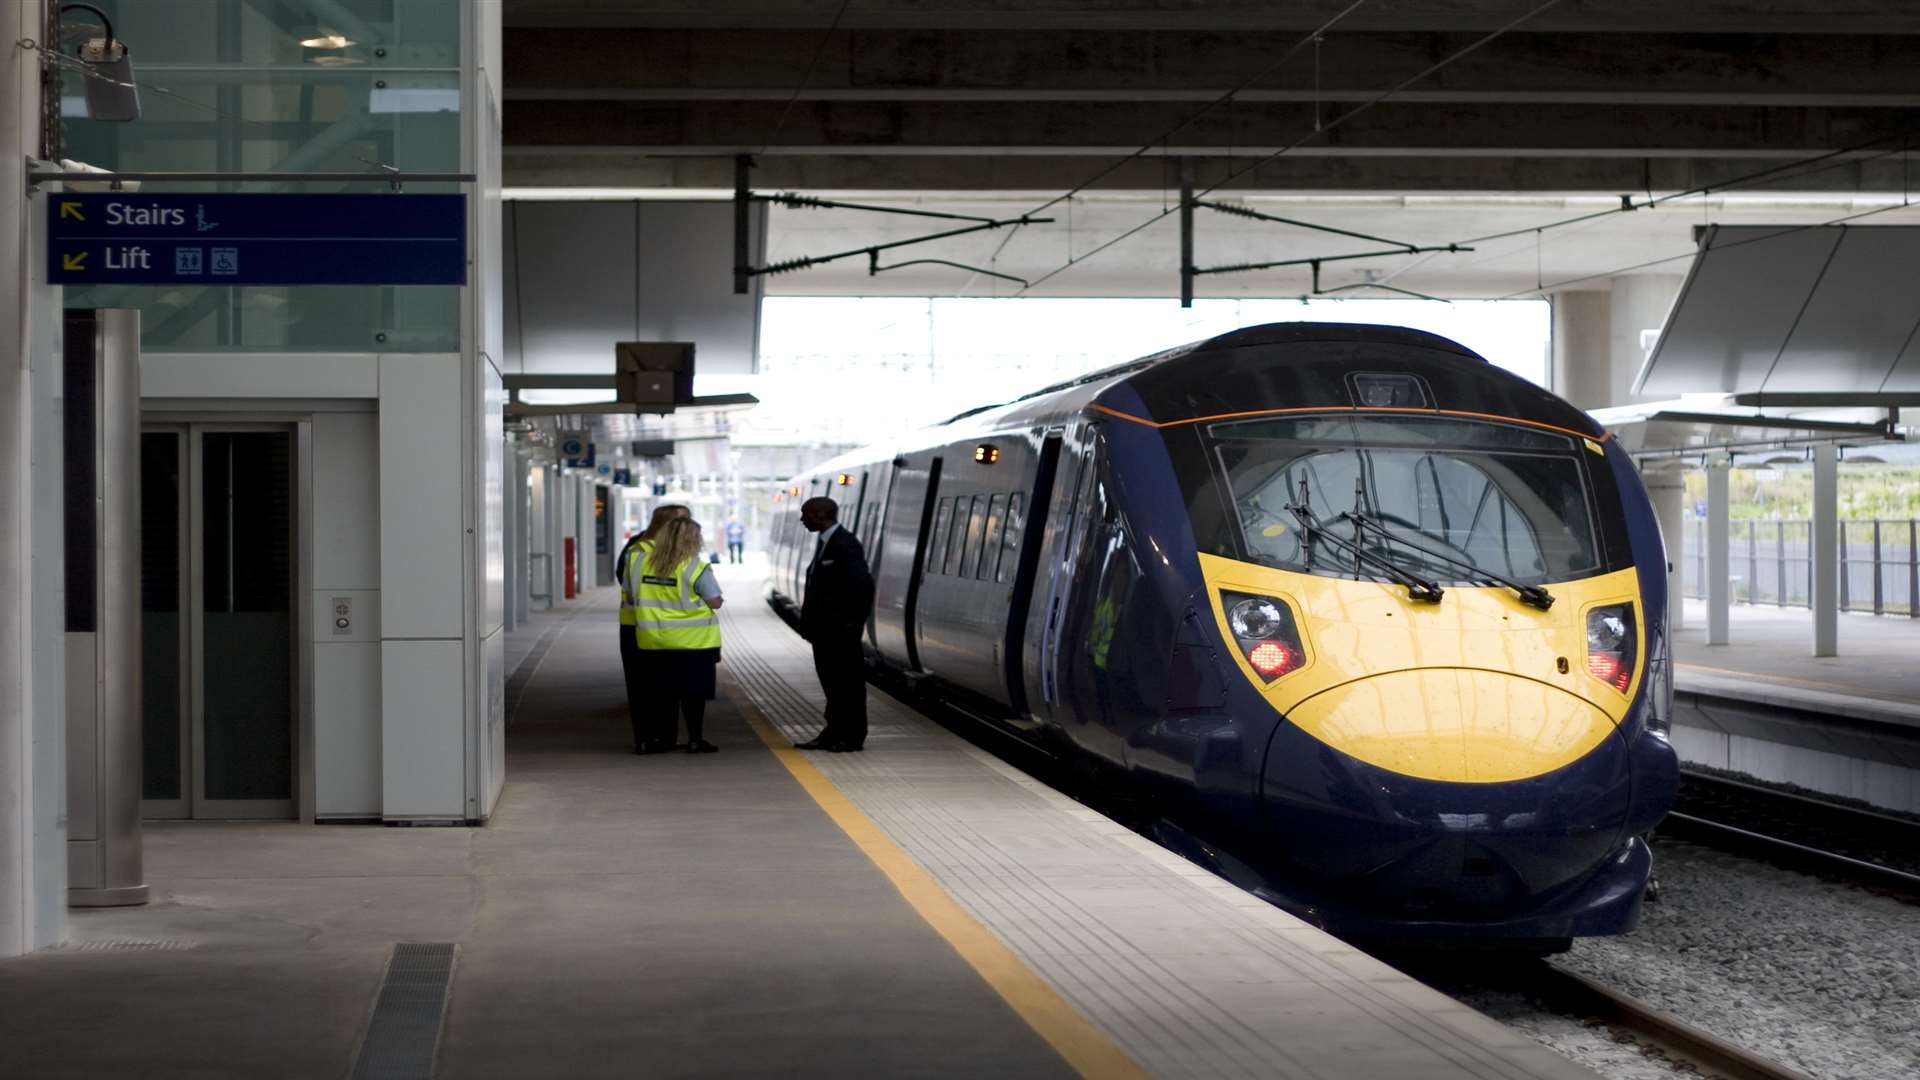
[1086, 1048]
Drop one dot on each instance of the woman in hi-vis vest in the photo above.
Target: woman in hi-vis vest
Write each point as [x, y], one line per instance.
[677, 630]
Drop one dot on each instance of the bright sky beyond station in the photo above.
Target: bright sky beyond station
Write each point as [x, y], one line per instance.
[854, 370]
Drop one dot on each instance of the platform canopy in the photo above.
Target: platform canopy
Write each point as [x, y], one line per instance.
[1773, 309]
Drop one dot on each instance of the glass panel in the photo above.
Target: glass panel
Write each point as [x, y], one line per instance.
[160, 615]
[247, 638]
[1448, 496]
[957, 535]
[284, 86]
[1016, 525]
[976, 517]
[937, 540]
[990, 546]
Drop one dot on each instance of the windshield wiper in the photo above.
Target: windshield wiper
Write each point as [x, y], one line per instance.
[1418, 588]
[1532, 595]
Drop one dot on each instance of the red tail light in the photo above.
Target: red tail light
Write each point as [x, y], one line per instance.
[1264, 630]
[1610, 645]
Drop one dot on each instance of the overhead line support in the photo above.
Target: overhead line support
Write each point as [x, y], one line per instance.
[1187, 203]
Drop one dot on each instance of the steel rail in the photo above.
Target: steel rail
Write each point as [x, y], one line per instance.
[1576, 993]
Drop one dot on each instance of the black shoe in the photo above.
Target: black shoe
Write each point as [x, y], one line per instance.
[845, 748]
[818, 742]
[702, 746]
[654, 748]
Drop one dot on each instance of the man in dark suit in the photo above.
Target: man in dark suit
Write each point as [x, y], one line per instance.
[833, 615]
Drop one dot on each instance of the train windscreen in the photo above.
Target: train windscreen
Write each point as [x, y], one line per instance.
[1438, 496]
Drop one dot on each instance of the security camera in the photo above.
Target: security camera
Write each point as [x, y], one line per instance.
[111, 93]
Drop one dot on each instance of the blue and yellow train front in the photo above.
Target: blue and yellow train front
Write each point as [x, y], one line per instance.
[1481, 766]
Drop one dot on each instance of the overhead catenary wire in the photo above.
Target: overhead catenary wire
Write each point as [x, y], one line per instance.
[1329, 126]
[806, 78]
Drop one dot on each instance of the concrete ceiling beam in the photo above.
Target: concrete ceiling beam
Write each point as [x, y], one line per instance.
[1653, 16]
[958, 128]
[1048, 174]
[898, 64]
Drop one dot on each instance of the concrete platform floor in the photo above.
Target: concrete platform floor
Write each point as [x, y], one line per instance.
[1879, 655]
[620, 916]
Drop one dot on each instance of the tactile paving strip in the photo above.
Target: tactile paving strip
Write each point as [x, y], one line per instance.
[404, 1031]
[1188, 974]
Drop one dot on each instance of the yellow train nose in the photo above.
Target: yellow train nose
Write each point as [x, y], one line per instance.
[1454, 724]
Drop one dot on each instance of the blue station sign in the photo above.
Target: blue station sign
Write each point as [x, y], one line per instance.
[122, 238]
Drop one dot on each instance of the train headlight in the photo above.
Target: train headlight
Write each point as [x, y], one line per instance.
[1256, 618]
[1610, 645]
[1264, 630]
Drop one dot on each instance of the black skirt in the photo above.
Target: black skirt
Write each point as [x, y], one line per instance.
[680, 673]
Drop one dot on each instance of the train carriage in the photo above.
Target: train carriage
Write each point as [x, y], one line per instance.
[1382, 621]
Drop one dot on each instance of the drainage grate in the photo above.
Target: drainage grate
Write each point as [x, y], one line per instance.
[127, 945]
[404, 1031]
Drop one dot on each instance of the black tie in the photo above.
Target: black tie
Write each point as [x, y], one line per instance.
[819, 546]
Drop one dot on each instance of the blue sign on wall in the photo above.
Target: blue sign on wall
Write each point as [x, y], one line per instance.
[125, 238]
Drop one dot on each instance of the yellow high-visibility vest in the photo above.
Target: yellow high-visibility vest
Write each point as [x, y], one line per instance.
[636, 555]
[667, 613]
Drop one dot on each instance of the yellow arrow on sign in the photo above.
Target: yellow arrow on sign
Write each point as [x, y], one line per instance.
[76, 261]
[72, 210]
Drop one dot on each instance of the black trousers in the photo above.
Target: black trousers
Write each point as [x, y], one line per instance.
[630, 667]
[843, 675]
[666, 719]
[735, 548]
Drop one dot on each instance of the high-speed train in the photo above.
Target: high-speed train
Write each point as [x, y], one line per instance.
[1361, 609]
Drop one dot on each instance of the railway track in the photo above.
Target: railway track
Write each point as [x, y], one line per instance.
[1879, 851]
[1574, 994]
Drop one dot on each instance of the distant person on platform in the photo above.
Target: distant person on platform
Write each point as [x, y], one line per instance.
[833, 614]
[736, 540]
[677, 630]
[624, 573]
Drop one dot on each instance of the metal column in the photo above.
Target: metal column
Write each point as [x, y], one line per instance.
[1719, 588]
[1824, 577]
[103, 639]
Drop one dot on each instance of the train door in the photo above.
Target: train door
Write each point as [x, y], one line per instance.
[1066, 528]
[1025, 532]
[916, 567]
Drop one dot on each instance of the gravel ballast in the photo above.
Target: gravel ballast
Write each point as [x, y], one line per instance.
[1817, 975]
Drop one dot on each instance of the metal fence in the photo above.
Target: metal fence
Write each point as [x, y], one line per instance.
[1770, 562]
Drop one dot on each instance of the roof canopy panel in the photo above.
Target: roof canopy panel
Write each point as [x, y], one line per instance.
[1766, 308]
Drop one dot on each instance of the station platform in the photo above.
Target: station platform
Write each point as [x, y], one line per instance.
[920, 909]
[1762, 706]
[1875, 676]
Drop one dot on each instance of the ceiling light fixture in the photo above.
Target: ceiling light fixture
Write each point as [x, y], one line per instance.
[326, 40]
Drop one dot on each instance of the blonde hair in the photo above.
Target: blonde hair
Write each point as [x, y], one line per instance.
[677, 541]
[662, 514]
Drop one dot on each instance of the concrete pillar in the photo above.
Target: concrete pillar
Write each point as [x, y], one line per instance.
[1638, 309]
[520, 525]
[585, 563]
[1719, 587]
[1825, 579]
[1668, 490]
[1581, 347]
[513, 552]
[553, 521]
[33, 868]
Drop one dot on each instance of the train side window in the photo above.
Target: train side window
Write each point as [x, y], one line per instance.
[937, 540]
[1010, 537]
[955, 537]
[969, 539]
[990, 541]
